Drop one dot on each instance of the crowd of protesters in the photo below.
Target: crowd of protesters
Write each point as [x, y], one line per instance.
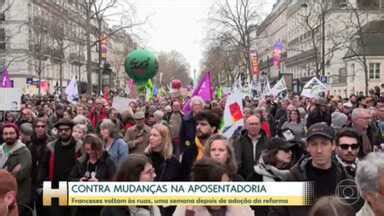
[326, 140]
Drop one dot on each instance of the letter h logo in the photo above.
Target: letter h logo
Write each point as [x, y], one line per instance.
[49, 193]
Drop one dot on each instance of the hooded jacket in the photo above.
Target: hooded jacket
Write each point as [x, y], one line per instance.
[19, 154]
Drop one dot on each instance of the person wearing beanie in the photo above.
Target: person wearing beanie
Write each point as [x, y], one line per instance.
[16, 158]
[26, 133]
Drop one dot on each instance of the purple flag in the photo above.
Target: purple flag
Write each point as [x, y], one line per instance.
[204, 90]
[5, 81]
[277, 50]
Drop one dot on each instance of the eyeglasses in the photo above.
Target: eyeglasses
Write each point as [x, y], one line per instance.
[40, 126]
[347, 146]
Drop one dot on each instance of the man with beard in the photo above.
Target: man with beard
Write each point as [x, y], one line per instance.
[16, 158]
[137, 137]
[348, 144]
[59, 160]
[207, 124]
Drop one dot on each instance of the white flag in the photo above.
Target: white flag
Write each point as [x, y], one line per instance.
[72, 92]
[233, 113]
[314, 88]
[267, 91]
[280, 86]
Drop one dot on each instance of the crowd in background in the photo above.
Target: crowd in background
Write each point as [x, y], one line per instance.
[325, 140]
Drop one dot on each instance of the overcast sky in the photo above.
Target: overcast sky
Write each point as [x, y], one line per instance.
[177, 25]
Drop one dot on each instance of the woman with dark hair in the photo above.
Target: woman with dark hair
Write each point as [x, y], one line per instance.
[295, 124]
[136, 167]
[204, 170]
[275, 162]
[114, 144]
[95, 165]
[219, 149]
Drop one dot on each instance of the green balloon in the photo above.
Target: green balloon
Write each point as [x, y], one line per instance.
[141, 65]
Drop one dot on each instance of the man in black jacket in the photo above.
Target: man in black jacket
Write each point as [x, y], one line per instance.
[249, 145]
[328, 176]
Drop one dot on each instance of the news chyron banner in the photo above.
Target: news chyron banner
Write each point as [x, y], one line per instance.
[179, 193]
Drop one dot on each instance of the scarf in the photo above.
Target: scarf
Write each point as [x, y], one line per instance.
[200, 149]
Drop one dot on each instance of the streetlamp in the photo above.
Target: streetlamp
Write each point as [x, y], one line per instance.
[323, 13]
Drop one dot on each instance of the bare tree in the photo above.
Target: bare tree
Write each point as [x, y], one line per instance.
[313, 18]
[222, 61]
[96, 14]
[172, 65]
[236, 22]
[356, 39]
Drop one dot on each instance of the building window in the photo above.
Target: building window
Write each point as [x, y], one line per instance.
[342, 75]
[2, 39]
[374, 71]
[2, 17]
[370, 4]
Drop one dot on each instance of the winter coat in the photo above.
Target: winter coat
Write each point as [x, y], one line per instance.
[19, 155]
[266, 172]
[244, 152]
[168, 170]
[187, 132]
[318, 115]
[263, 173]
[299, 173]
[105, 168]
[134, 133]
[118, 151]
[96, 117]
[47, 169]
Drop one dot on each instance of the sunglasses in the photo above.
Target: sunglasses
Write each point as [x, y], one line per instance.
[40, 126]
[346, 146]
[64, 129]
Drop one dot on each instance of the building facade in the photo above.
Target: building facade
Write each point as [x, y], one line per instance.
[308, 49]
[43, 42]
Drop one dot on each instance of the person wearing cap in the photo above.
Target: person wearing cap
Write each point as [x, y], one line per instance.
[16, 158]
[60, 159]
[8, 191]
[319, 113]
[318, 168]
[137, 137]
